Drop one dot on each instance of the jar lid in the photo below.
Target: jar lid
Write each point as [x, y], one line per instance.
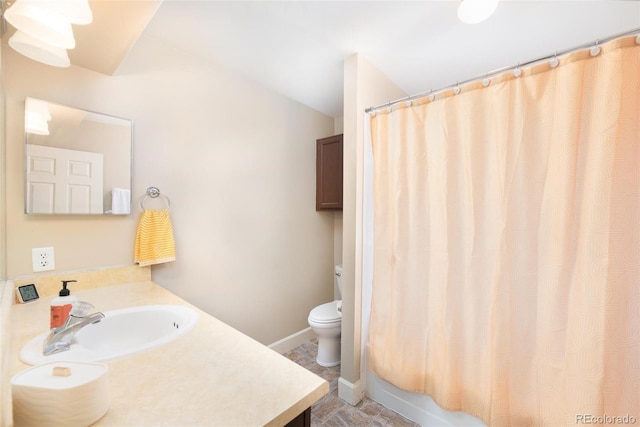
[60, 375]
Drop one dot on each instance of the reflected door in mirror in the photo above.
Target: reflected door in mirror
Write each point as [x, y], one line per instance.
[76, 161]
[63, 181]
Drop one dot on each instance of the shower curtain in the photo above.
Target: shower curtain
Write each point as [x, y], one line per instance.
[507, 244]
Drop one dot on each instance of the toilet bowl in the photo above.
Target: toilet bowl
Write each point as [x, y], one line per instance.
[326, 322]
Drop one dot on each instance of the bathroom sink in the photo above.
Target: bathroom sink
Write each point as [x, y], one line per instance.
[121, 333]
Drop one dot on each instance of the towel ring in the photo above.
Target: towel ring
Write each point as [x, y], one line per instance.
[153, 192]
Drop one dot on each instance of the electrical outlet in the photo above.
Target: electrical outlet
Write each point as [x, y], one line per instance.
[43, 259]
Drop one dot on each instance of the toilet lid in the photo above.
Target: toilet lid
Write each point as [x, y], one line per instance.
[326, 313]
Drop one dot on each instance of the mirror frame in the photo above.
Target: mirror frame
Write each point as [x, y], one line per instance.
[104, 194]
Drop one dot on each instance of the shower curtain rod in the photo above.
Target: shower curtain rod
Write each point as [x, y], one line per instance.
[502, 70]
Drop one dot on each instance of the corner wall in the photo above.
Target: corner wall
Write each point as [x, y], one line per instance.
[6, 302]
[6, 290]
[364, 86]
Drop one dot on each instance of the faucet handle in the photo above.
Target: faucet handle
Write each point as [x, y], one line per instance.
[54, 347]
[80, 308]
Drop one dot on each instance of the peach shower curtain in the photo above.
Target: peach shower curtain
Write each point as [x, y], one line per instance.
[507, 244]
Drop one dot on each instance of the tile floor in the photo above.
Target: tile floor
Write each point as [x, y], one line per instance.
[331, 410]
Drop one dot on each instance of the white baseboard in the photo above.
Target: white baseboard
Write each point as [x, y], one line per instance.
[292, 341]
[349, 392]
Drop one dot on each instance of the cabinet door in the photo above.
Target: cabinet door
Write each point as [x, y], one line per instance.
[329, 173]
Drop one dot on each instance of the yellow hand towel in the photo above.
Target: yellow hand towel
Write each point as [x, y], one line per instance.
[154, 239]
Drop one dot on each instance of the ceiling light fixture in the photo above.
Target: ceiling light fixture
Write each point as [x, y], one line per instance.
[41, 21]
[474, 11]
[38, 51]
[44, 28]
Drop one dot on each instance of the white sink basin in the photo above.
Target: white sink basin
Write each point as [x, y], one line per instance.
[121, 333]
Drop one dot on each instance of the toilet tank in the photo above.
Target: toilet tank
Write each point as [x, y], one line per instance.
[338, 275]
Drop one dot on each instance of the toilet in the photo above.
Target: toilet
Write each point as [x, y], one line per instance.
[326, 322]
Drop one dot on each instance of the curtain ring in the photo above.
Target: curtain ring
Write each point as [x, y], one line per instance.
[486, 81]
[517, 72]
[554, 61]
[431, 95]
[595, 51]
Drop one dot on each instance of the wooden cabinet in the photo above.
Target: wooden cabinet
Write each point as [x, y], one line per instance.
[329, 173]
[302, 420]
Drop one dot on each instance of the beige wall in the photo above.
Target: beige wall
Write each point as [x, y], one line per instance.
[237, 162]
[364, 86]
[6, 291]
[80, 242]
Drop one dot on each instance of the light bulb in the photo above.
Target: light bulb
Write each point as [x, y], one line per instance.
[474, 11]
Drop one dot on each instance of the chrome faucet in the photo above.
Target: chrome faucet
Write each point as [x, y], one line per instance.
[59, 339]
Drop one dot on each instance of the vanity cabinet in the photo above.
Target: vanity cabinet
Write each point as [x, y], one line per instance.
[302, 420]
[329, 173]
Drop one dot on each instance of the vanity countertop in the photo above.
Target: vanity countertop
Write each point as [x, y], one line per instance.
[212, 376]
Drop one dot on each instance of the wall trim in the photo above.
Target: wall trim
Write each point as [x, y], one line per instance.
[67, 272]
[349, 392]
[6, 303]
[292, 341]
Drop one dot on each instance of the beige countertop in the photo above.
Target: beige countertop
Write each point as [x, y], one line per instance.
[212, 376]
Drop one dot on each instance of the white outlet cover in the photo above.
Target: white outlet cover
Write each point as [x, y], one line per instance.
[43, 259]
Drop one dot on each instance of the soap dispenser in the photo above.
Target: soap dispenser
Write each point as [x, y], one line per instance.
[61, 306]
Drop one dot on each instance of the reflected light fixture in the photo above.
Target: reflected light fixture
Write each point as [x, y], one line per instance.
[44, 28]
[474, 11]
[36, 117]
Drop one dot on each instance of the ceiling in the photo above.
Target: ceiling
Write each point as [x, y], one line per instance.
[99, 47]
[298, 48]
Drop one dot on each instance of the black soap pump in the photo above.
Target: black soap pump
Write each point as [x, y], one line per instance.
[61, 306]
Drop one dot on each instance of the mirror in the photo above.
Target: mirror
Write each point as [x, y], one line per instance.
[76, 161]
